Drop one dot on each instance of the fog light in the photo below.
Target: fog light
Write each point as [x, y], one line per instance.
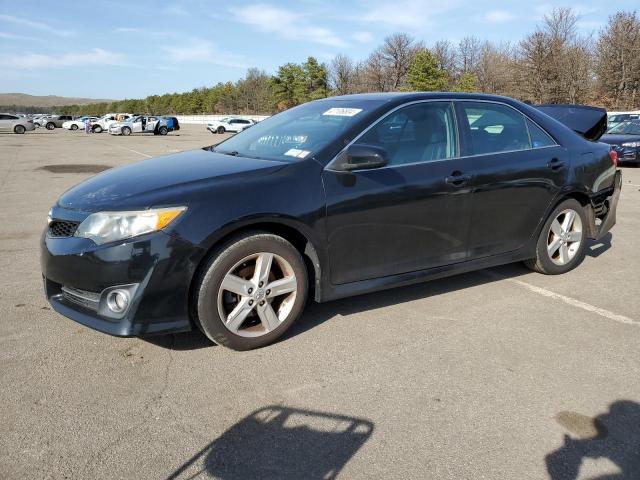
[118, 301]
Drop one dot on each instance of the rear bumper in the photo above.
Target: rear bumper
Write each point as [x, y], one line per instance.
[608, 220]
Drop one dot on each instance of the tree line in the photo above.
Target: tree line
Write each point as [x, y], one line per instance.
[553, 64]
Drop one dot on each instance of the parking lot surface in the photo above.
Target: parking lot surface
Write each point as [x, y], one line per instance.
[497, 374]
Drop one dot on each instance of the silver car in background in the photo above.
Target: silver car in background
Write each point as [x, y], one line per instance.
[15, 124]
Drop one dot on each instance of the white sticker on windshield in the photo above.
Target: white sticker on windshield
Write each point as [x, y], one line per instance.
[342, 112]
[293, 152]
[303, 153]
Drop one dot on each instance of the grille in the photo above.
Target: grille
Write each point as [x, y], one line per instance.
[81, 297]
[62, 228]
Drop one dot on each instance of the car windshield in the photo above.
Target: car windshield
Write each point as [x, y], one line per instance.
[300, 132]
[627, 128]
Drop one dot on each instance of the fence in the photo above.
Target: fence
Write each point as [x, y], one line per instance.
[204, 119]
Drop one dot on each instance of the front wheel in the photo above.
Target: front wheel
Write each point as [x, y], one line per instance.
[97, 129]
[163, 130]
[221, 130]
[126, 131]
[251, 291]
[19, 129]
[74, 127]
[562, 242]
[51, 126]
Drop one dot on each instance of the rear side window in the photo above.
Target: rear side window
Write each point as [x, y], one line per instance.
[495, 128]
[423, 132]
[539, 138]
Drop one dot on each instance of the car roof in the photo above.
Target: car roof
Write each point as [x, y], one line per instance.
[409, 96]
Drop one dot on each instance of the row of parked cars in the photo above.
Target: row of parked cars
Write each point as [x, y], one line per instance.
[114, 123]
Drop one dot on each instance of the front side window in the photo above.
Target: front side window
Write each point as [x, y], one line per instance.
[423, 132]
[495, 128]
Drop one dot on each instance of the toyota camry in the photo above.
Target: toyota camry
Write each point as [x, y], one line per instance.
[333, 198]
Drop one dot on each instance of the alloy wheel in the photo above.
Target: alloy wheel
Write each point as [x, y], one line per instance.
[564, 237]
[257, 294]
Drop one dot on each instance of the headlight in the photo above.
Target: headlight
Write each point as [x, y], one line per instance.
[631, 144]
[105, 227]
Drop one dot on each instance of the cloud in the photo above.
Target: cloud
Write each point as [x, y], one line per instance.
[95, 57]
[499, 16]
[35, 25]
[286, 23]
[362, 37]
[12, 36]
[128, 30]
[405, 14]
[203, 52]
[175, 10]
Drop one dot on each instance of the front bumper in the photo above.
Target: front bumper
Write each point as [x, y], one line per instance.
[157, 268]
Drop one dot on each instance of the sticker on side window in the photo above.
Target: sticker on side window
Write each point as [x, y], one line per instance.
[342, 112]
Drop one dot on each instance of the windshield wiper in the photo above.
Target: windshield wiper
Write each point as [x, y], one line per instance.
[233, 153]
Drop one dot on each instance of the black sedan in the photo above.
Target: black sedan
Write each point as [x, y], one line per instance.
[625, 139]
[334, 198]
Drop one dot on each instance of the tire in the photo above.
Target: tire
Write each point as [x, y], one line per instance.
[558, 250]
[19, 129]
[163, 130]
[97, 129]
[36, 124]
[51, 126]
[220, 130]
[212, 304]
[126, 131]
[74, 127]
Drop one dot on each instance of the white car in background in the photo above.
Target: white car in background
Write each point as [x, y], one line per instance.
[78, 123]
[104, 122]
[137, 124]
[229, 124]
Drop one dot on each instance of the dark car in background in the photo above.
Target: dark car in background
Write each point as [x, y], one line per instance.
[333, 198]
[625, 140]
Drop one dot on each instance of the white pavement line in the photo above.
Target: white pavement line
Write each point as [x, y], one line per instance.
[631, 184]
[134, 151]
[570, 301]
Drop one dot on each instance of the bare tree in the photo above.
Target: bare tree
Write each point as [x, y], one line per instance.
[469, 53]
[446, 55]
[342, 74]
[375, 74]
[618, 61]
[397, 52]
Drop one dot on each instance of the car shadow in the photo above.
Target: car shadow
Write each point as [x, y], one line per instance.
[278, 442]
[614, 435]
[317, 313]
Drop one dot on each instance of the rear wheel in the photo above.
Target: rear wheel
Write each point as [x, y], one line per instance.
[126, 131]
[251, 291]
[562, 241]
[221, 130]
[50, 126]
[19, 129]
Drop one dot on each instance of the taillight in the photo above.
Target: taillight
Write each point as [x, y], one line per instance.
[614, 157]
[29, 121]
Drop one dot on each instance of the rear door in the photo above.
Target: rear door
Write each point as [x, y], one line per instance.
[518, 169]
[409, 215]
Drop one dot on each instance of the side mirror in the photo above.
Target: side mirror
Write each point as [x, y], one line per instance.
[363, 157]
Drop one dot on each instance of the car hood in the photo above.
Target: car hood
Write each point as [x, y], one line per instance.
[161, 181]
[618, 139]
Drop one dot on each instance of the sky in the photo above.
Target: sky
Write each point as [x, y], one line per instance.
[130, 49]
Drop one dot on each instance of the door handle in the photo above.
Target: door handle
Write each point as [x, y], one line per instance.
[555, 164]
[457, 179]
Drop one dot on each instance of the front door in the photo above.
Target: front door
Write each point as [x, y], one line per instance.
[518, 169]
[411, 214]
